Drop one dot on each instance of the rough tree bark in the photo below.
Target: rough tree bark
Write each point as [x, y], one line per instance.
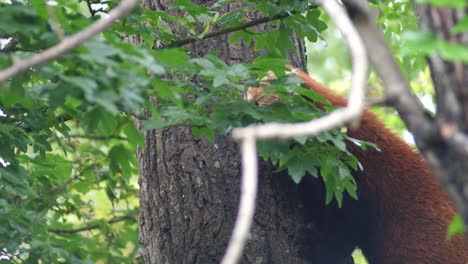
[451, 88]
[189, 189]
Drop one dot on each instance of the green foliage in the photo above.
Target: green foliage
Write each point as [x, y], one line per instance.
[447, 3]
[68, 173]
[462, 26]
[329, 60]
[67, 134]
[456, 227]
[410, 47]
[426, 43]
[326, 153]
[397, 17]
[358, 257]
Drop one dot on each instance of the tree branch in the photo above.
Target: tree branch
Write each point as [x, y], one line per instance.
[227, 30]
[397, 90]
[118, 12]
[443, 145]
[114, 220]
[69, 43]
[11, 45]
[98, 137]
[54, 23]
[250, 134]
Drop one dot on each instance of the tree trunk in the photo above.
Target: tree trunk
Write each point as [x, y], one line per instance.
[189, 189]
[450, 82]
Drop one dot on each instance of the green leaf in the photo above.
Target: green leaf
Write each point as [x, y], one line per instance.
[209, 133]
[174, 57]
[101, 121]
[19, 19]
[338, 198]
[119, 159]
[454, 52]
[363, 144]
[134, 136]
[301, 139]
[339, 143]
[240, 35]
[420, 42]
[457, 226]
[462, 26]
[220, 80]
[351, 188]
[155, 122]
[426, 43]
[447, 3]
[272, 149]
[296, 169]
[166, 91]
[315, 97]
[299, 163]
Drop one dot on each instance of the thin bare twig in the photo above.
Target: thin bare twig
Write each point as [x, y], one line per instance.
[114, 220]
[249, 135]
[69, 43]
[54, 23]
[382, 101]
[98, 137]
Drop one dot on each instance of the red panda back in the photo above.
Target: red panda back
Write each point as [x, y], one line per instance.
[411, 209]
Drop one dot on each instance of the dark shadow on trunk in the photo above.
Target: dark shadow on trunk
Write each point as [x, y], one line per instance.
[189, 189]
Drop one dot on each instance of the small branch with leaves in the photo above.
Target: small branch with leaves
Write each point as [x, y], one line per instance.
[249, 135]
[227, 30]
[98, 137]
[128, 217]
[441, 140]
[69, 43]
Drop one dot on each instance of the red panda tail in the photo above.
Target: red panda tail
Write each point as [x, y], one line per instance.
[321, 89]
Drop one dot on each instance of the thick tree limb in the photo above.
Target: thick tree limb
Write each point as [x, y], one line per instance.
[250, 134]
[442, 143]
[69, 43]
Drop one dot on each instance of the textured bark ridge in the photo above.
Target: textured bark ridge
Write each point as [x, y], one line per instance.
[189, 198]
[450, 78]
[189, 190]
[189, 195]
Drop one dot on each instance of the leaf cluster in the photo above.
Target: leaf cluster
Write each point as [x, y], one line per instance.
[68, 139]
[68, 173]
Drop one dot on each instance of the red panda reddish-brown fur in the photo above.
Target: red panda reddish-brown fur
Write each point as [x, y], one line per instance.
[410, 210]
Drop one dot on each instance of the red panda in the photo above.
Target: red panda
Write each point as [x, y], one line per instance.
[402, 213]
